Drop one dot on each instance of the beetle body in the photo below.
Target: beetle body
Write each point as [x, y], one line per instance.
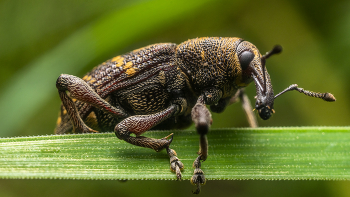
[147, 80]
[166, 86]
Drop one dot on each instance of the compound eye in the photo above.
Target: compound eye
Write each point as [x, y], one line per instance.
[245, 58]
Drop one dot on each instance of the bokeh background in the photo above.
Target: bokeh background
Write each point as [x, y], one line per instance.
[41, 39]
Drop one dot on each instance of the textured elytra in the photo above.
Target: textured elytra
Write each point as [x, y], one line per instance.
[139, 91]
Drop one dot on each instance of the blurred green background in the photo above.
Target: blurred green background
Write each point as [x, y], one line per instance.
[41, 39]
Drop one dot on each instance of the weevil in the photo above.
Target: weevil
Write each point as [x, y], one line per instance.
[168, 86]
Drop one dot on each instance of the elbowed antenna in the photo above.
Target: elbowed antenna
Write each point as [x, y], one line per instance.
[325, 96]
[276, 50]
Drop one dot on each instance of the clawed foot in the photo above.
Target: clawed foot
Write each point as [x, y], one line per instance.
[198, 177]
[175, 164]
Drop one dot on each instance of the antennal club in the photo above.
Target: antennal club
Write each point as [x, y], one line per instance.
[325, 96]
[276, 50]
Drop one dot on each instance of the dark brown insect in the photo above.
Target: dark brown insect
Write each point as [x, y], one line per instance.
[167, 86]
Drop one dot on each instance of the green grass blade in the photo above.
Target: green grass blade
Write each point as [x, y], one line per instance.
[317, 153]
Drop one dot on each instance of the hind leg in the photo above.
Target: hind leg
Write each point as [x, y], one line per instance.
[139, 124]
[81, 91]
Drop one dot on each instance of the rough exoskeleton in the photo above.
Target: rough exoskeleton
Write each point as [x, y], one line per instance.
[167, 86]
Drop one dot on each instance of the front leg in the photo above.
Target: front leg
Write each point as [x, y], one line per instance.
[202, 120]
[247, 107]
[141, 123]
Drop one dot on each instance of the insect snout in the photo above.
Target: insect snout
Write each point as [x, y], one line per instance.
[263, 107]
[265, 112]
[265, 96]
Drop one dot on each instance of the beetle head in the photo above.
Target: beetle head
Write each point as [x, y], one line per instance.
[253, 67]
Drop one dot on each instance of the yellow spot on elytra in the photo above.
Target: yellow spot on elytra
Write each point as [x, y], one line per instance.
[128, 65]
[130, 72]
[88, 78]
[116, 59]
[59, 120]
[74, 100]
[93, 80]
[119, 60]
[64, 112]
[85, 77]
